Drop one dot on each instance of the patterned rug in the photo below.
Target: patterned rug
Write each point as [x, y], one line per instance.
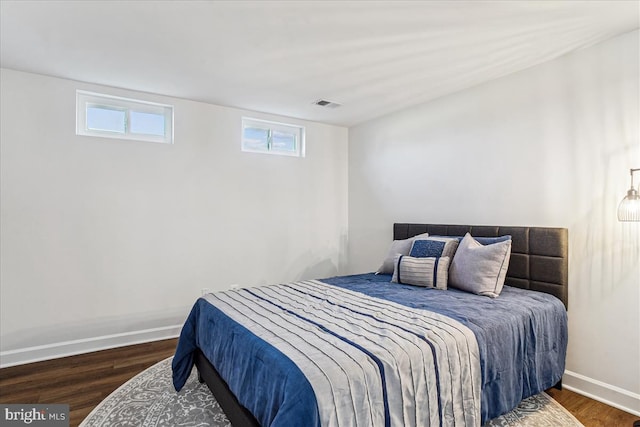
[149, 400]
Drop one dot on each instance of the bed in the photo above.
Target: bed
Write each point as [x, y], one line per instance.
[473, 375]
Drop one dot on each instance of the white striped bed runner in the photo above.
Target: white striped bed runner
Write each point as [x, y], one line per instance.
[370, 362]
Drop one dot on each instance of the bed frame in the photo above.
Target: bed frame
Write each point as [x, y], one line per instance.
[539, 261]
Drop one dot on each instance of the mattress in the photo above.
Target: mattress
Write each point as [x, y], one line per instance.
[499, 351]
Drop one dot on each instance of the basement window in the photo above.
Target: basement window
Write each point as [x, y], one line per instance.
[109, 116]
[263, 136]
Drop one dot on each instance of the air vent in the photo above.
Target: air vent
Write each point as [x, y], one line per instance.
[326, 104]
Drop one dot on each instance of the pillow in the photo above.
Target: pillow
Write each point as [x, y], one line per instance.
[434, 247]
[480, 269]
[491, 240]
[401, 247]
[483, 240]
[429, 272]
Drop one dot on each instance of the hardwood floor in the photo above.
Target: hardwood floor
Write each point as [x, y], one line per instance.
[84, 381]
[81, 381]
[590, 412]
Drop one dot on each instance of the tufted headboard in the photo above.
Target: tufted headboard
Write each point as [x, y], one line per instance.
[539, 255]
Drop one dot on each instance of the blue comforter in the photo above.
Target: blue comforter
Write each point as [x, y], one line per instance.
[247, 363]
[521, 335]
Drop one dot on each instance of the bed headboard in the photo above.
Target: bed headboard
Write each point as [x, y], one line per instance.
[539, 255]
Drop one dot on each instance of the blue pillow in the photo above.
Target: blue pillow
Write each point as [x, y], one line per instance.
[427, 249]
[484, 241]
[434, 247]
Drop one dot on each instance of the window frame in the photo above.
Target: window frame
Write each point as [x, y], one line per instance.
[86, 99]
[273, 126]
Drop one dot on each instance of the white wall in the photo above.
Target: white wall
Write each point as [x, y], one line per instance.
[104, 237]
[549, 146]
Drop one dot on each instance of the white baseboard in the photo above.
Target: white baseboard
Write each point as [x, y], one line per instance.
[602, 392]
[87, 345]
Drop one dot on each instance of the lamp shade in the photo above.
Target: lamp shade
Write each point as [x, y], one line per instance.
[629, 207]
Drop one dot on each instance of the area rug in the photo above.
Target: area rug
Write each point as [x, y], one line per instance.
[149, 400]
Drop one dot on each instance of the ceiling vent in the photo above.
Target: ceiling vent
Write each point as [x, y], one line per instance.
[326, 104]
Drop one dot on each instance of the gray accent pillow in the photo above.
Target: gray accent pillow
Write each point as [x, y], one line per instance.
[429, 272]
[398, 247]
[480, 269]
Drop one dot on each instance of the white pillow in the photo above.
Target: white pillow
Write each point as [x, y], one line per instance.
[429, 272]
[398, 247]
[480, 269]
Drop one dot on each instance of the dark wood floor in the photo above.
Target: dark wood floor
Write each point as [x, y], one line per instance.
[80, 381]
[590, 412]
[84, 381]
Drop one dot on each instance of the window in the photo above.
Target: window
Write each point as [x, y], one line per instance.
[114, 117]
[262, 136]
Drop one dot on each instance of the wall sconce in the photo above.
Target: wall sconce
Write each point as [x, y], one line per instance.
[629, 207]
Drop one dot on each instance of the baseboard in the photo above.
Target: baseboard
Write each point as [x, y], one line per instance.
[602, 392]
[71, 348]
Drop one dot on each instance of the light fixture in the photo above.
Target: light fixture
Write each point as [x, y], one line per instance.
[629, 208]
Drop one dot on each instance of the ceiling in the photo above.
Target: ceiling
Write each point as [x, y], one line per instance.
[374, 58]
